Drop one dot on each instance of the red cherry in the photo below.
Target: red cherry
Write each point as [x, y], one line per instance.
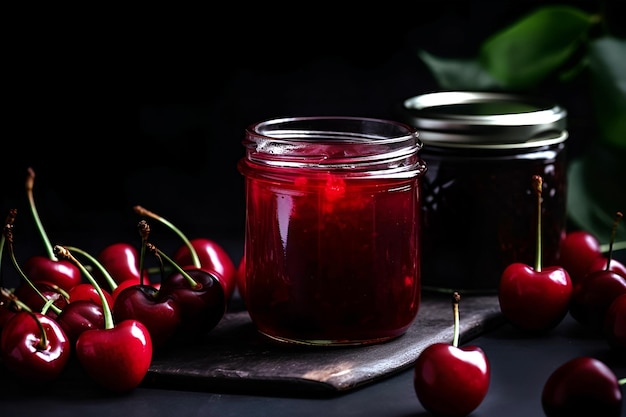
[86, 291]
[35, 302]
[40, 268]
[61, 273]
[122, 286]
[121, 261]
[579, 251]
[116, 358]
[34, 347]
[535, 299]
[160, 315]
[593, 295]
[614, 326]
[80, 315]
[212, 257]
[583, 386]
[450, 380]
[200, 253]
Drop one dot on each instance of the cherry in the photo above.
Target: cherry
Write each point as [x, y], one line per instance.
[450, 380]
[202, 304]
[579, 251]
[201, 253]
[80, 315]
[34, 347]
[213, 257]
[535, 299]
[614, 325]
[37, 294]
[86, 291]
[121, 261]
[160, 314]
[593, 294]
[60, 273]
[118, 356]
[583, 386]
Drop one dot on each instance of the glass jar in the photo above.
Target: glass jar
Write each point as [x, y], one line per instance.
[332, 229]
[479, 213]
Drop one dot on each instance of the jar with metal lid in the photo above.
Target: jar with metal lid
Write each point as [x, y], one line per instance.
[479, 212]
[332, 229]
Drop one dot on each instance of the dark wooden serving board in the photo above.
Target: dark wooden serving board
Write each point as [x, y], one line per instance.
[234, 357]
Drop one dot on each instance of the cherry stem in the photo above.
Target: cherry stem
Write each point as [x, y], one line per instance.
[144, 232]
[10, 298]
[622, 381]
[42, 344]
[537, 183]
[456, 298]
[10, 220]
[153, 249]
[8, 233]
[609, 256]
[107, 276]
[106, 309]
[30, 180]
[194, 254]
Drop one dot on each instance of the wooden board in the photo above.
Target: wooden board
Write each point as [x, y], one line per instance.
[234, 357]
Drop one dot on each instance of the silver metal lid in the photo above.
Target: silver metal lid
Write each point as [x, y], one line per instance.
[466, 119]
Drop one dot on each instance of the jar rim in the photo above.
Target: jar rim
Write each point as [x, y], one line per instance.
[360, 145]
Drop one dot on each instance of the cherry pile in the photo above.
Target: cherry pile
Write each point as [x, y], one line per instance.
[108, 311]
[587, 284]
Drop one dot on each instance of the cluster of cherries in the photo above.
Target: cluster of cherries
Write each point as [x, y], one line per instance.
[588, 285]
[62, 306]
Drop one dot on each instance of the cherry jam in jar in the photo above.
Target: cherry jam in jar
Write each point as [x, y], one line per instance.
[332, 243]
[479, 213]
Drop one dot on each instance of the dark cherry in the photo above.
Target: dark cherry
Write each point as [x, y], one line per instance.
[614, 326]
[592, 296]
[144, 303]
[28, 296]
[583, 386]
[202, 307]
[80, 315]
[213, 258]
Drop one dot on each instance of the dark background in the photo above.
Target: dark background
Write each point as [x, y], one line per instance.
[114, 108]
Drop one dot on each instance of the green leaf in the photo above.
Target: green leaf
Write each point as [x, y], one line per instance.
[596, 192]
[536, 46]
[607, 61]
[459, 74]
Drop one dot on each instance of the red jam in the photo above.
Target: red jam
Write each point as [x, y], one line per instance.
[332, 247]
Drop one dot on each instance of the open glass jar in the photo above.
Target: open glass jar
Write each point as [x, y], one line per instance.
[332, 229]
